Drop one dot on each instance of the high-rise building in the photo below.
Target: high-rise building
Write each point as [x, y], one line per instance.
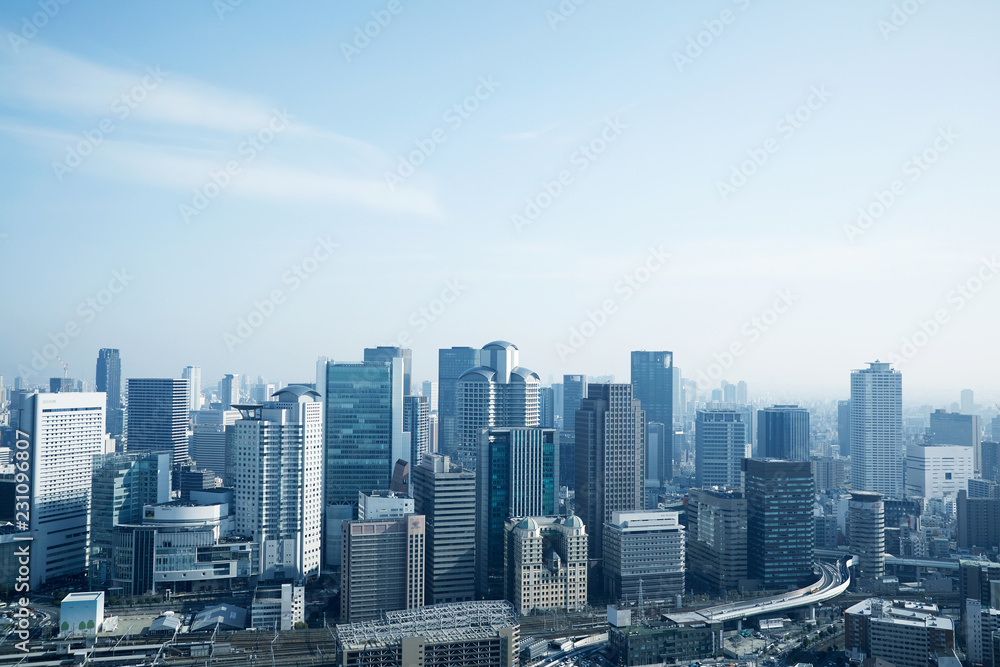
[659, 453]
[610, 461]
[968, 405]
[517, 476]
[122, 484]
[829, 474]
[452, 363]
[61, 385]
[653, 386]
[229, 391]
[741, 392]
[497, 393]
[158, 417]
[276, 472]
[717, 539]
[383, 505]
[990, 461]
[721, 443]
[109, 380]
[978, 522]
[430, 390]
[416, 428]
[783, 433]
[546, 407]
[877, 430]
[952, 428]
[364, 427]
[844, 427]
[382, 567]
[781, 530]
[445, 495]
[866, 533]
[193, 375]
[937, 471]
[208, 445]
[64, 434]
[644, 556]
[546, 563]
[386, 353]
[574, 390]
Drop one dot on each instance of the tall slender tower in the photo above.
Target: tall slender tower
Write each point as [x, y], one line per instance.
[452, 364]
[275, 468]
[109, 380]
[866, 533]
[158, 417]
[497, 393]
[877, 430]
[193, 375]
[610, 459]
[722, 441]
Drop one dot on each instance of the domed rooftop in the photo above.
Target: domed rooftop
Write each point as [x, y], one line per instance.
[573, 521]
[478, 374]
[293, 393]
[499, 345]
[527, 523]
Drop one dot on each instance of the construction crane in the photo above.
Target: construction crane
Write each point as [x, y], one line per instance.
[65, 367]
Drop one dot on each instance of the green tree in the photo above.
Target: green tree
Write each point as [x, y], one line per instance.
[301, 625]
[83, 625]
[90, 624]
[64, 626]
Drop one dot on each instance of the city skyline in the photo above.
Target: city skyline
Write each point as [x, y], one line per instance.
[842, 211]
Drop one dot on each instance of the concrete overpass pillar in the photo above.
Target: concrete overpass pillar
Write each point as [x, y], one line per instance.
[739, 625]
[812, 612]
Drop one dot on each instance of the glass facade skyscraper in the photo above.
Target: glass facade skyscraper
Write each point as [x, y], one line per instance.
[783, 433]
[109, 380]
[452, 363]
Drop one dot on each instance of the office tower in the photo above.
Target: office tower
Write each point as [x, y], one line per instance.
[430, 390]
[990, 460]
[416, 427]
[644, 556]
[382, 567]
[61, 385]
[979, 580]
[276, 463]
[978, 522]
[866, 533]
[158, 417]
[208, 445]
[188, 478]
[445, 495]
[983, 488]
[610, 460]
[479, 634]
[364, 427]
[877, 430]
[844, 427]
[828, 473]
[432, 432]
[995, 428]
[574, 390]
[518, 475]
[659, 453]
[452, 363]
[382, 505]
[193, 375]
[653, 385]
[952, 428]
[937, 471]
[781, 531]
[229, 391]
[261, 392]
[65, 432]
[121, 485]
[721, 444]
[400, 480]
[109, 380]
[968, 404]
[678, 403]
[980, 623]
[902, 633]
[546, 407]
[497, 393]
[783, 433]
[741, 392]
[386, 354]
[546, 563]
[728, 393]
[717, 539]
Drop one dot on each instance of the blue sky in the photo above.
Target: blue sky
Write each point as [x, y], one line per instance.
[183, 90]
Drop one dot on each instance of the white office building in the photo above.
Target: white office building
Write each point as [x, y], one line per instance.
[193, 375]
[65, 431]
[938, 471]
[877, 430]
[276, 472]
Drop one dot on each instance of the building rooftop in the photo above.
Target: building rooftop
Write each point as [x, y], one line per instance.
[84, 596]
[459, 621]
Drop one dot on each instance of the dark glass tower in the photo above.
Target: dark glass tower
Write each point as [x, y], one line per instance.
[783, 433]
[387, 353]
[109, 380]
[452, 363]
[653, 386]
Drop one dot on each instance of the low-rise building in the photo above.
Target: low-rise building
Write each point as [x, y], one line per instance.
[277, 606]
[657, 642]
[81, 613]
[905, 633]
